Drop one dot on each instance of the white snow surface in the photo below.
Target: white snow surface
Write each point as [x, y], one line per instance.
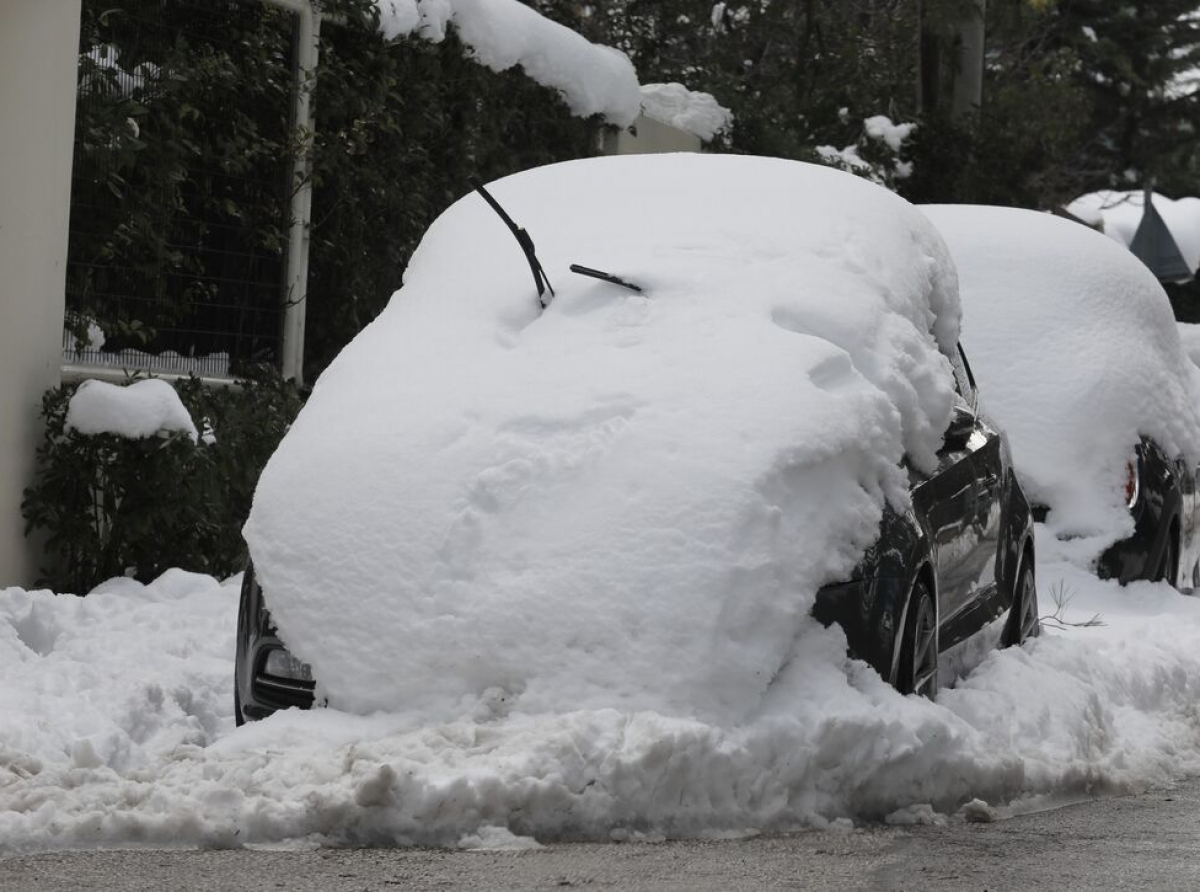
[1076, 353]
[144, 408]
[592, 79]
[697, 113]
[1120, 214]
[1189, 337]
[116, 729]
[628, 501]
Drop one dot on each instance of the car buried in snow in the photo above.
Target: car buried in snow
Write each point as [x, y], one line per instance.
[1080, 359]
[730, 399]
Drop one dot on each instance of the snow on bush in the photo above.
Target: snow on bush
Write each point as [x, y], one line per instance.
[142, 409]
[697, 113]
[1077, 355]
[879, 133]
[1120, 213]
[629, 500]
[593, 79]
[116, 728]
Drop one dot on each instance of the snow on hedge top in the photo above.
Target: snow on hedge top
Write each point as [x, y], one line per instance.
[697, 113]
[1077, 354]
[1120, 213]
[627, 500]
[592, 79]
[142, 409]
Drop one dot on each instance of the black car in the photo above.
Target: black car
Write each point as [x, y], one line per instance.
[1161, 495]
[940, 572]
[949, 567]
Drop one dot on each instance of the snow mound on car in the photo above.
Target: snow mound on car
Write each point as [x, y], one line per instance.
[1077, 355]
[627, 500]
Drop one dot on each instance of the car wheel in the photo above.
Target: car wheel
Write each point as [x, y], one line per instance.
[1023, 618]
[917, 670]
[1168, 566]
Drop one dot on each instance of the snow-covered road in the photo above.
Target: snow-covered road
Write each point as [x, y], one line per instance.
[116, 728]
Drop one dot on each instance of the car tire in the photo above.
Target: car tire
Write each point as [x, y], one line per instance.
[1168, 567]
[917, 668]
[1023, 617]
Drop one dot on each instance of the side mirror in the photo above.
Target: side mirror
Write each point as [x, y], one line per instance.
[962, 425]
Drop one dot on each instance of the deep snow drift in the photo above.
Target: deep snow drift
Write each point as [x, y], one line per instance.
[628, 500]
[117, 729]
[1076, 352]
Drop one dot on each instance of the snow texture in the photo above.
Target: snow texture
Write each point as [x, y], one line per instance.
[536, 509]
[1120, 214]
[1189, 337]
[146, 408]
[593, 79]
[881, 127]
[1077, 354]
[116, 728]
[697, 113]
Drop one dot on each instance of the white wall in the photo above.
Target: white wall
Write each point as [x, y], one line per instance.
[645, 137]
[39, 43]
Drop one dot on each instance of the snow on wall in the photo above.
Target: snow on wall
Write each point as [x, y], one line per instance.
[592, 79]
[142, 409]
[627, 500]
[697, 113]
[1077, 354]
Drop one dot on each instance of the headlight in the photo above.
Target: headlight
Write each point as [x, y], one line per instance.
[282, 664]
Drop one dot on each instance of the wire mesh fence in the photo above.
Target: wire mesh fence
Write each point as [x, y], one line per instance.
[179, 208]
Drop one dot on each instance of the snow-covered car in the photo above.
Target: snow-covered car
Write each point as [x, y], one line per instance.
[615, 471]
[1079, 357]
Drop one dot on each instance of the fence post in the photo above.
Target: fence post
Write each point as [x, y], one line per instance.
[308, 34]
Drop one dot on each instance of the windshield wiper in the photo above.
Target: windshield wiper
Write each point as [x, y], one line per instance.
[603, 276]
[539, 275]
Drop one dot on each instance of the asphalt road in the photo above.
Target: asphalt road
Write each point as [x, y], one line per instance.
[1145, 842]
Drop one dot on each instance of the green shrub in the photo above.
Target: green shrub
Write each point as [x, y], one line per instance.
[112, 506]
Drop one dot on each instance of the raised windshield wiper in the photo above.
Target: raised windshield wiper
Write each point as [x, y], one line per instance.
[539, 275]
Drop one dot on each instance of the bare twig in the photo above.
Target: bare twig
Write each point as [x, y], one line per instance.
[1062, 597]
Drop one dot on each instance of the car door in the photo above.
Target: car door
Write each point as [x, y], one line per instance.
[983, 444]
[946, 500]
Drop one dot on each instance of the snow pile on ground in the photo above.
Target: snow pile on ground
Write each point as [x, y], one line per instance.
[142, 409]
[1076, 352]
[119, 679]
[1120, 214]
[593, 79]
[697, 113]
[116, 729]
[627, 500]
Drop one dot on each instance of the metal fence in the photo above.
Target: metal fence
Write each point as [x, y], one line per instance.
[182, 173]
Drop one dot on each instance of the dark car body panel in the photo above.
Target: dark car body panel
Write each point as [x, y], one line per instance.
[1164, 514]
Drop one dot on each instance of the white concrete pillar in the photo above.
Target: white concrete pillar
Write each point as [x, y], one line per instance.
[39, 47]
